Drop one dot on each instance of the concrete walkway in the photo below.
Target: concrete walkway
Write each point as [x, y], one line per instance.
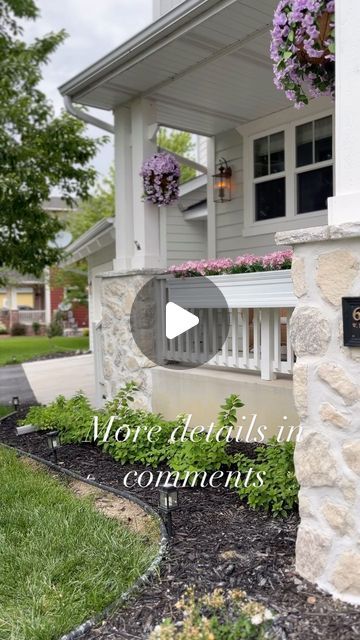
[65, 376]
[13, 382]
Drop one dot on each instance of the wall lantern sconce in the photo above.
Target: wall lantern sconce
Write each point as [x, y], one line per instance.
[15, 402]
[53, 441]
[222, 182]
[168, 502]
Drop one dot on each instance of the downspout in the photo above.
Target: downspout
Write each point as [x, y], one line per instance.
[106, 126]
[86, 117]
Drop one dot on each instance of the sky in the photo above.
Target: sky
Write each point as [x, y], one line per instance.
[94, 28]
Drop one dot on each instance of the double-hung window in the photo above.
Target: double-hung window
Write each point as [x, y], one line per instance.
[291, 173]
[269, 177]
[314, 165]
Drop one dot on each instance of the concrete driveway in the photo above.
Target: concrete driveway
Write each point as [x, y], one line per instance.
[13, 382]
[65, 376]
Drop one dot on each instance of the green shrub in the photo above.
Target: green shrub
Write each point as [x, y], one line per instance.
[85, 333]
[18, 329]
[220, 615]
[279, 493]
[73, 418]
[141, 445]
[3, 329]
[36, 326]
[200, 454]
[56, 327]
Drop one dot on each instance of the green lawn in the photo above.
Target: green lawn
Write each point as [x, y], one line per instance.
[17, 350]
[5, 410]
[61, 560]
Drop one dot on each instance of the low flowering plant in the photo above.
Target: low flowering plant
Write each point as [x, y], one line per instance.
[303, 49]
[220, 615]
[161, 174]
[276, 261]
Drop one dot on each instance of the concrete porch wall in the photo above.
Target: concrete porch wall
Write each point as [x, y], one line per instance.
[201, 391]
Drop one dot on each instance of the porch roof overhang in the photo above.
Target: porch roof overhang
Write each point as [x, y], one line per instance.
[100, 235]
[205, 65]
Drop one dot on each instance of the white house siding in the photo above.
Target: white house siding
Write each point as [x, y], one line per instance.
[229, 216]
[186, 239]
[98, 263]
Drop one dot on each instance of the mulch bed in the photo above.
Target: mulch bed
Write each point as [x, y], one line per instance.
[218, 542]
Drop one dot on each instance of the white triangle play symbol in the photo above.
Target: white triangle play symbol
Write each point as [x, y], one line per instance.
[178, 320]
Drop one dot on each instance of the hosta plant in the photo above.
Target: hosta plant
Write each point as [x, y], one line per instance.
[303, 49]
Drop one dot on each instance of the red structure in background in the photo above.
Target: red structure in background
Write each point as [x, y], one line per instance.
[80, 312]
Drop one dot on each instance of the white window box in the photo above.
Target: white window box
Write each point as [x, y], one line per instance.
[266, 290]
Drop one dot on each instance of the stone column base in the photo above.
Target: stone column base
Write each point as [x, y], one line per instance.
[122, 360]
[326, 267]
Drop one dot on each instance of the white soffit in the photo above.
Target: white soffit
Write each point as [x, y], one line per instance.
[206, 65]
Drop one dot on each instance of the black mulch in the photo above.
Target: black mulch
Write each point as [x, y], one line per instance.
[212, 523]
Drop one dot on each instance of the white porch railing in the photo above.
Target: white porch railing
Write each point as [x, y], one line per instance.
[256, 321]
[29, 316]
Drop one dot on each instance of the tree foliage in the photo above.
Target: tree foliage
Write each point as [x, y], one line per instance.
[39, 152]
[98, 206]
[180, 142]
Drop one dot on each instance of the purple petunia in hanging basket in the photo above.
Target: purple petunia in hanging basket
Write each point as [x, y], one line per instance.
[161, 174]
[303, 49]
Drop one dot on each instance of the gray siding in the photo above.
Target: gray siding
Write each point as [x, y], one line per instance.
[230, 215]
[186, 239]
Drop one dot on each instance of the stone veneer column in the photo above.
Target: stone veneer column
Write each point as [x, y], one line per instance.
[326, 268]
[122, 360]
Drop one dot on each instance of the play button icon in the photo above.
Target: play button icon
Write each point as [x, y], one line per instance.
[178, 320]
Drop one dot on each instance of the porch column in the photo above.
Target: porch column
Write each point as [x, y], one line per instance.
[47, 296]
[326, 268]
[124, 226]
[149, 220]
[345, 206]
[140, 226]
[12, 297]
[211, 217]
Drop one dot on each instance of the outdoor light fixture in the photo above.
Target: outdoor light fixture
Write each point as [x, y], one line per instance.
[168, 502]
[53, 441]
[15, 402]
[222, 182]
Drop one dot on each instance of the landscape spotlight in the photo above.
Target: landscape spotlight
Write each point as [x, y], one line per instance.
[15, 402]
[53, 441]
[168, 502]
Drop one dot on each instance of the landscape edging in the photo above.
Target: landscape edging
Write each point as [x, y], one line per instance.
[143, 579]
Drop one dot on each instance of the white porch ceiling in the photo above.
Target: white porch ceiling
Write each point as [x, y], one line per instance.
[207, 68]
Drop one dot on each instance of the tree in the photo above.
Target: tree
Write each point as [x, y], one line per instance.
[100, 205]
[180, 142]
[39, 152]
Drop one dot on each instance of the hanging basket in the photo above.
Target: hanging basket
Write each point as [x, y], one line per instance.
[303, 49]
[161, 174]
[325, 28]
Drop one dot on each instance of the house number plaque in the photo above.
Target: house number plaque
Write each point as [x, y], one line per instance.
[351, 321]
